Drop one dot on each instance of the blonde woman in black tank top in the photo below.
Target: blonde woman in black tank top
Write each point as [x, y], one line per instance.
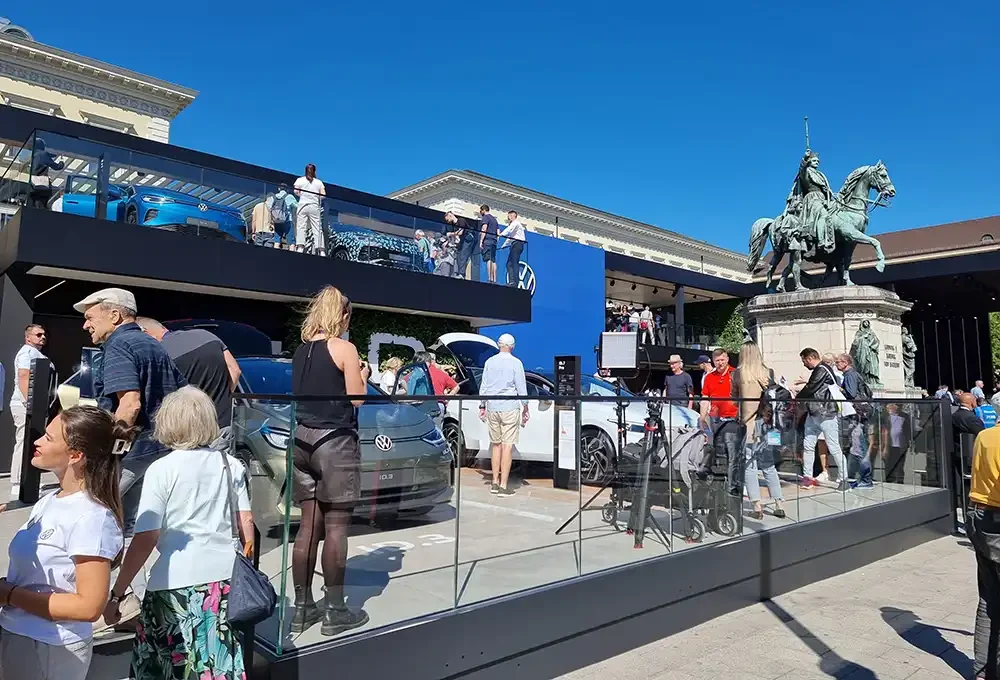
[326, 473]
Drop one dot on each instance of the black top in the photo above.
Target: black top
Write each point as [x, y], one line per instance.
[315, 374]
[200, 357]
[678, 386]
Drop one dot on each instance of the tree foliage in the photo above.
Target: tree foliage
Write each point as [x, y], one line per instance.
[995, 338]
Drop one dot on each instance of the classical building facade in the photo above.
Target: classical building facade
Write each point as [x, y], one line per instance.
[463, 191]
[55, 82]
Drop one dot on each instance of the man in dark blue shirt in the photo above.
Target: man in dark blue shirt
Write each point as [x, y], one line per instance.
[136, 375]
[488, 241]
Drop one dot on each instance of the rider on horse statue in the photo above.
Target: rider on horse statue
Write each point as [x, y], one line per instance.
[814, 189]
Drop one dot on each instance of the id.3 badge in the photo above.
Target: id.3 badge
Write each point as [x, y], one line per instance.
[773, 438]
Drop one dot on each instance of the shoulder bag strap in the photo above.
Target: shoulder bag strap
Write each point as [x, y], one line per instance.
[231, 498]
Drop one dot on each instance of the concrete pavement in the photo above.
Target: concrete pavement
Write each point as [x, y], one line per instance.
[909, 617]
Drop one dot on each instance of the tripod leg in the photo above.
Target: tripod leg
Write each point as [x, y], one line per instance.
[586, 506]
[659, 530]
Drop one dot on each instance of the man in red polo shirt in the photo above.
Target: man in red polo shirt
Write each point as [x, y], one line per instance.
[720, 413]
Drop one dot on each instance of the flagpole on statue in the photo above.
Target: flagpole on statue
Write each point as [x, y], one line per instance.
[806, 119]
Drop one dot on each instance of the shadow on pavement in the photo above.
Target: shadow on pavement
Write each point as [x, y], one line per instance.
[830, 662]
[928, 638]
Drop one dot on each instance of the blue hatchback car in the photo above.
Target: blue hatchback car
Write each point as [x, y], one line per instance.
[154, 207]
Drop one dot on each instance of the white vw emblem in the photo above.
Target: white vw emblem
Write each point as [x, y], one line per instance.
[383, 443]
[202, 207]
[526, 278]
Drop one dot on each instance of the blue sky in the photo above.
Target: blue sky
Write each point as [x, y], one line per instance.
[686, 117]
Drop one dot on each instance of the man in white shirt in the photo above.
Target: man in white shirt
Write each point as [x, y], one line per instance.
[34, 341]
[514, 238]
[310, 193]
[633, 320]
[977, 390]
[503, 375]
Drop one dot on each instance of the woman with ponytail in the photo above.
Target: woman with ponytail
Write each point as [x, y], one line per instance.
[60, 561]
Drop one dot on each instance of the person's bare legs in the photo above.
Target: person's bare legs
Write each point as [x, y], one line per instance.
[507, 457]
[496, 456]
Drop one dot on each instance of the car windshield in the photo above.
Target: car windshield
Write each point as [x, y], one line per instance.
[595, 387]
[472, 354]
[275, 377]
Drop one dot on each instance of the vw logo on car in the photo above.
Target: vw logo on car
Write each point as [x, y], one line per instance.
[383, 443]
[526, 277]
[203, 207]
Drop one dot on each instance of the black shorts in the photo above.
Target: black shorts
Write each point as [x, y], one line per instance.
[326, 466]
[490, 251]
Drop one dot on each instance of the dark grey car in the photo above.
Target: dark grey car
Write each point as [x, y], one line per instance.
[406, 465]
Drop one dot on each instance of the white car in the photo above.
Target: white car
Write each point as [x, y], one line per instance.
[599, 426]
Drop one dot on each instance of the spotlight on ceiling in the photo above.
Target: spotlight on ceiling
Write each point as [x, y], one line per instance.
[655, 291]
[633, 288]
[674, 294]
[612, 282]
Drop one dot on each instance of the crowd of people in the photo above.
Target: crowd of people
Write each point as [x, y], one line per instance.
[144, 469]
[293, 220]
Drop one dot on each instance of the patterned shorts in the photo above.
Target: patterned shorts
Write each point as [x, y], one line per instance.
[184, 634]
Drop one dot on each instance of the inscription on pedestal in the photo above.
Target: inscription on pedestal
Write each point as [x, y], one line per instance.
[891, 359]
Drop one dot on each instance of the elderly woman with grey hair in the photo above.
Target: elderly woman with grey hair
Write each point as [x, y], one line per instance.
[184, 513]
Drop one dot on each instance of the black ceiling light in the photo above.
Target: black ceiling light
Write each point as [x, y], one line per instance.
[633, 287]
[612, 282]
[674, 294]
[655, 291]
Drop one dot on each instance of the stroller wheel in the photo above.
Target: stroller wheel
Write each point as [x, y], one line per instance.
[609, 513]
[695, 529]
[727, 524]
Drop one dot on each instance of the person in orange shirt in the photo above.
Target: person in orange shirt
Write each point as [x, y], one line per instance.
[720, 413]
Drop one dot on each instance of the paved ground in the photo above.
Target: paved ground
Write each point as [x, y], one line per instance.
[909, 617]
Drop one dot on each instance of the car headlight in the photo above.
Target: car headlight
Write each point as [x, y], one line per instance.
[435, 438]
[275, 436]
[156, 199]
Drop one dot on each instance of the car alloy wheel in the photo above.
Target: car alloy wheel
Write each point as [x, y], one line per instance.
[341, 254]
[456, 444]
[595, 456]
[131, 216]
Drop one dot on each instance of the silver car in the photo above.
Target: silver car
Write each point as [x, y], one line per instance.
[406, 464]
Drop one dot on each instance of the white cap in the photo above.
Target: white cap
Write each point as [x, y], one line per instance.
[506, 340]
[114, 296]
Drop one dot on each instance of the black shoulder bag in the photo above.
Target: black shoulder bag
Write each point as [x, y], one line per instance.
[251, 596]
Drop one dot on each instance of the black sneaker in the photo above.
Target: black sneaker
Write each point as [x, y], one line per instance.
[504, 492]
[495, 489]
[336, 621]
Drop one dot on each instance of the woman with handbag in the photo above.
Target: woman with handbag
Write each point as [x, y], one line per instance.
[185, 513]
[60, 560]
[751, 381]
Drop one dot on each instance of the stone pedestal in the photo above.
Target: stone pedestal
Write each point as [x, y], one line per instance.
[827, 319]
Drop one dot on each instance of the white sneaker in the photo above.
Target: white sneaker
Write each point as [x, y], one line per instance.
[823, 477]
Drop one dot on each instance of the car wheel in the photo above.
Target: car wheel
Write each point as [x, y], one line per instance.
[131, 216]
[341, 254]
[596, 452]
[456, 444]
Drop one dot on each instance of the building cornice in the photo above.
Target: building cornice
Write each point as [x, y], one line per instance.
[74, 74]
[588, 220]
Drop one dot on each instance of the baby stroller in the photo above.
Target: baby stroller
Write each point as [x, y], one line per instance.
[684, 475]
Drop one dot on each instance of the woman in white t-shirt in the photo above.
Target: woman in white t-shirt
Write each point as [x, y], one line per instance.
[184, 514]
[60, 560]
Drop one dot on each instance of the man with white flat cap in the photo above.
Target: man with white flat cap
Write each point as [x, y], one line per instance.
[503, 375]
[134, 377]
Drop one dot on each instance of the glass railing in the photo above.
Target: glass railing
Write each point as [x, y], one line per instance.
[667, 335]
[414, 535]
[83, 177]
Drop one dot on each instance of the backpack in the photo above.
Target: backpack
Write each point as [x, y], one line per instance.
[279, 210]
[862, 403]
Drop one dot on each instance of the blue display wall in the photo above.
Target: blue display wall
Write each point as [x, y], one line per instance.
[567, 307]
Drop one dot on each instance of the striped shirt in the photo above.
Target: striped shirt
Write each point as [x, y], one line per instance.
[503, 375]
[133, 361]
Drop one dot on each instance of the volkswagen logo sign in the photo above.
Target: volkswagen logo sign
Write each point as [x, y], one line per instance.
[383, 443]
[526, 277]
[202, 207]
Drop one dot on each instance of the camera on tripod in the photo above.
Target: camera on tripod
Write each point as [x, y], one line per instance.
[654, 411]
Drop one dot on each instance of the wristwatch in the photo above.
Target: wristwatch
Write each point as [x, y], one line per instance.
[115, 599]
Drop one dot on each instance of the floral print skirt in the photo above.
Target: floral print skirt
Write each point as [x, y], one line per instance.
[183, 634]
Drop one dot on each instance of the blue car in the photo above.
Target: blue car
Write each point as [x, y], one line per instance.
[154, 207]
[358, 244]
